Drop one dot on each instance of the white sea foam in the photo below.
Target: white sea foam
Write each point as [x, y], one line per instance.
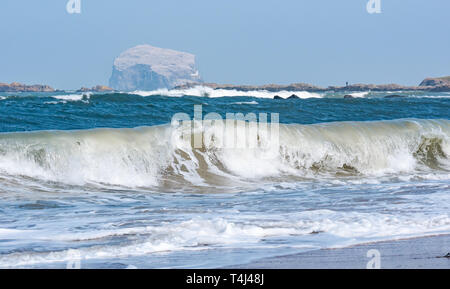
[74, 97]
[140, 157]
[360, 94]
[246, 102]
[203, 91]
[8, 233]
[339, 228]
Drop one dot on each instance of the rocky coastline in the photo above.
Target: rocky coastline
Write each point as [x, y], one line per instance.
[19, 87]
[441, 84]
[97, 88]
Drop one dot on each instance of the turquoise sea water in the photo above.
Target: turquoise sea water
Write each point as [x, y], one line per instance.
[105, 180]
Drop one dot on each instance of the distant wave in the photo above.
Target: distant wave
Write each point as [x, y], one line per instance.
[360, 94]
[246, 102]
[159, 156]
[74, 97]
[202, 91]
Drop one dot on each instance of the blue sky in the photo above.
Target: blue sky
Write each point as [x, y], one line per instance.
[323, 42]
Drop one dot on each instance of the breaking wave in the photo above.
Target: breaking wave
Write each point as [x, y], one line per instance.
[162, 156]
[203, 91]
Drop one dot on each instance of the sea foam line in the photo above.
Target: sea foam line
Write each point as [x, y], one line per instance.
[202, 91]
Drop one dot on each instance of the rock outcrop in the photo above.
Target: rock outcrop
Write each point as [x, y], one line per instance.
[97, 88]
[267, 87]
[145, 67]
[371, 87]
[19, 87]
[438, 81]
[441, 86]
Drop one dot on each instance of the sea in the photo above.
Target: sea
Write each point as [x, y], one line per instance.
[181, 178]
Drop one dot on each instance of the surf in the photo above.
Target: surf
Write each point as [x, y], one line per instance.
[204, 91]
[161, 157]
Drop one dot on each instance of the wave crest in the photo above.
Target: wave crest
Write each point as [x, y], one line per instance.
[160, 156]
[203, 91]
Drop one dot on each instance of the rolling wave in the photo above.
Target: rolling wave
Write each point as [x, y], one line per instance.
[163, 156]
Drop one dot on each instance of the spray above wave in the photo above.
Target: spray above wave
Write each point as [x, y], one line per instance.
[161, 156]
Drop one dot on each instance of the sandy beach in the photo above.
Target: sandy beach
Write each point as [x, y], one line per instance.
[417, 253]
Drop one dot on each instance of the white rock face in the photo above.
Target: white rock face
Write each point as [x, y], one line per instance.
[146, 67]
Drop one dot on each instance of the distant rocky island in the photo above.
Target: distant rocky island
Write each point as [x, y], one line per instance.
[438, 81]
[19, 87]
[97, 88]
[439, 84]
[146, 67]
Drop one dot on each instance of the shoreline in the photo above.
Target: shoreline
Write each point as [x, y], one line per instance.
[412, 253]
[438, 84]
[428, 85]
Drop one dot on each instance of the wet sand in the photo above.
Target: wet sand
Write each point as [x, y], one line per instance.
[417, 253]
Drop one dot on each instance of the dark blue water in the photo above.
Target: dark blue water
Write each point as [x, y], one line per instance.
[42, 112]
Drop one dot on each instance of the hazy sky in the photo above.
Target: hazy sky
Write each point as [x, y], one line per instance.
[323, 42]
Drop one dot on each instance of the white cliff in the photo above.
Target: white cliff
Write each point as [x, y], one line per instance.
[146, 67]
